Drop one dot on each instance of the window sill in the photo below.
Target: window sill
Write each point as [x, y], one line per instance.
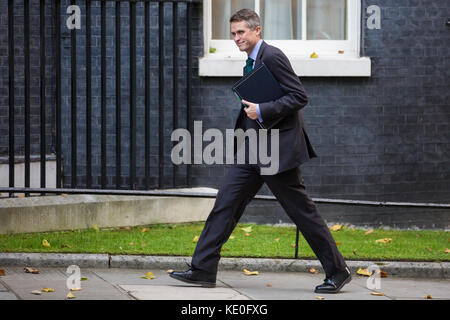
[213, 65]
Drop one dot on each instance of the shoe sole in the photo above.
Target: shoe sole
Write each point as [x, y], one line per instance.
[201, 283]
[337, 289]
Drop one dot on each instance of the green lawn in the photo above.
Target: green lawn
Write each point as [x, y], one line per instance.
[262, 241]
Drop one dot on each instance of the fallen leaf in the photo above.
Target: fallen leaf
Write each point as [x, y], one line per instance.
[64, 194]
[338, 243]
[144, 230]
[383, 274]
[293, 245]
[2, 272]
[75, 289]
[336, 227]
[313, 55]
[231, 237]
[149, 275]
[66, 246]
[127, 228]
[368, 231]
[45, 243]
[341, 51]
[312, 270]
[70, 295]
[417, 235]
[364, 272]
[247, 234]
[95, 227]
[37, 292]
[250, 273]
[354, 252]
[277, 239]
[131, 244]
[31, 270]
[48, 290]
[384, 240]
[429, 249]
[319, 298]
[83, 279]
[377, 293]
[447, 250]
[353, 229]
[195, 239]
[268, 285]
[428, 296]
[170, 271]
[248, 229]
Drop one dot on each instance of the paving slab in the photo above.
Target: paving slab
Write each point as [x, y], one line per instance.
[22, 284]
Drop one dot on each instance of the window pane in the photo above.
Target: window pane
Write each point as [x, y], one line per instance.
[326, 20]
[281, 19]
[222, 10]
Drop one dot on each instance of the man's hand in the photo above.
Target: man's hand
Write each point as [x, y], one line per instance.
[250, 110]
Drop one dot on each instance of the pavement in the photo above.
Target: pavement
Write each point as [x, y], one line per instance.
[120, 278]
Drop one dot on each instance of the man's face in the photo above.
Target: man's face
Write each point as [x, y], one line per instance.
[244, 37]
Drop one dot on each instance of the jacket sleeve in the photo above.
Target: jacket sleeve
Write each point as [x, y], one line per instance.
[295, 97]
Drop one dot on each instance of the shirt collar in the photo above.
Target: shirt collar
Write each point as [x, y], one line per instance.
[255, 50]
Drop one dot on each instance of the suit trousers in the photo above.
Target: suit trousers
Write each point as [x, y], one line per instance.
[241, 184]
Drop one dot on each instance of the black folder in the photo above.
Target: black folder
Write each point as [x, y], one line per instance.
[259, 86]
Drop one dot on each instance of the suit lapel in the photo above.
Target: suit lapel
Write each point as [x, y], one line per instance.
[260, 52]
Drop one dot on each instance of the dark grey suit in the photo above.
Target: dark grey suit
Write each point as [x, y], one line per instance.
[243, 181]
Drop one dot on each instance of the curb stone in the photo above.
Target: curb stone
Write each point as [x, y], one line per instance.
[436, 270]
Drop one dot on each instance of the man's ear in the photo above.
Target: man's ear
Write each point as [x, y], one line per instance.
[258, 30]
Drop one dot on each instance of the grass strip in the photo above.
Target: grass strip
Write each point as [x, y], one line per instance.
[262, 241]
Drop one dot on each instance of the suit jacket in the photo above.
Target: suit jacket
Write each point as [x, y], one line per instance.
[295, 147]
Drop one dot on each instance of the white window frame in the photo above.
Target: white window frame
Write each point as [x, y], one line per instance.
[227, 60]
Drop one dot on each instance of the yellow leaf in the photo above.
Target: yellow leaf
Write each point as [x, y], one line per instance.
[368, 231]
[45, 243]
[313, 55]
[364, 272]
[95, 227]
[338, 243]
[247, 234]
[277, 239]
[195, 239]
[250, 273]
[384, 240]
[231, 237]
[150, 274]
[312, 270]
[48, 290]
[66, 246]
[70, 295]
[336, 227]
[144, 230]
[75, 289]
[377, 293]
[248, 229]
[268, 285]
[428, 296]
[319, 298]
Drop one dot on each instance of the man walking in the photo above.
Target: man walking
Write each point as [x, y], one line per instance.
[244, 180]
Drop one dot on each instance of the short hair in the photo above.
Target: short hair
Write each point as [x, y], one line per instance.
[247, 15]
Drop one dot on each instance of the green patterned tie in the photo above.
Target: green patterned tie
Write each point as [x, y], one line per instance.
[247, 69]
[248, 66]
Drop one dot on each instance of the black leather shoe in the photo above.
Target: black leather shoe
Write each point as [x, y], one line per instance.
[335, 282]
[196, 276]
